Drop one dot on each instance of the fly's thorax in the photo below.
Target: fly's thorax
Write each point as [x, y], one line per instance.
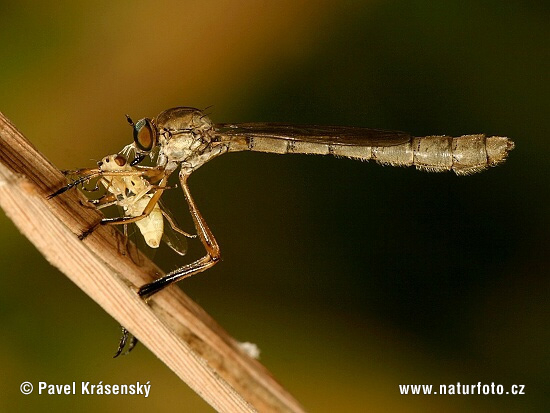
[182, 118]
[178, 147]
[183, 133]
[186, 136]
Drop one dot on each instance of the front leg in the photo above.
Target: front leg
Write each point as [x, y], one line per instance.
[153, 174]
[103, 202]
[207, 238]
[122, 343]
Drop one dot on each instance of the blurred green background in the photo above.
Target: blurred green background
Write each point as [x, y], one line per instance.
[352, 278]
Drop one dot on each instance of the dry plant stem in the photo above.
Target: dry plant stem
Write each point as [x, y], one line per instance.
[171, 325]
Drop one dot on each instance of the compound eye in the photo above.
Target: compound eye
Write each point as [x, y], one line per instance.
[120, 160]
[145, 135]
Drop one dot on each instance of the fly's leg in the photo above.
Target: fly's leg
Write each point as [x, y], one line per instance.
[128, 220]
[174, 226]
[146, 211]
[207, 238]
[166, 187]
[94, 189]
[155, 174]
[132, 344]
[98, 203]
[125, 232]
[124, 220]
[103, 202]
[123, 341]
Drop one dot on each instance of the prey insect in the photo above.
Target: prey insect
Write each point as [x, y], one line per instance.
[185, 138]
[133, 194]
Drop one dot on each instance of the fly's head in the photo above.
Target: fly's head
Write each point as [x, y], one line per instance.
[112, 163]
[145, 139]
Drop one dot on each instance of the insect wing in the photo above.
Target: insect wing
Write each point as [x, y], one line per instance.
[172, 238]
[333, 135]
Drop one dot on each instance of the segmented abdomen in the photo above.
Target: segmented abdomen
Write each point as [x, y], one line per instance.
[464, 155]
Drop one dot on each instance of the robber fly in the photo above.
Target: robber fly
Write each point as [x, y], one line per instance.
[185, 137]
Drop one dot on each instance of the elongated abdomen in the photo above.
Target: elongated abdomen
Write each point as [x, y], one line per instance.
[464, 155]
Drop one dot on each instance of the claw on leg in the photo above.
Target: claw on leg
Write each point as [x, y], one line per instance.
[87, 232]
[122, 343]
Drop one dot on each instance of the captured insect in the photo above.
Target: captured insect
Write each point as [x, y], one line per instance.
[133, 193]
[185, 137]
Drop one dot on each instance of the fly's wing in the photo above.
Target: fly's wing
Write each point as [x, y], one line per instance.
[329, 135]
[172, 238]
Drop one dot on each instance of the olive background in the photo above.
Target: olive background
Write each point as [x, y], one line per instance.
[351, 277]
